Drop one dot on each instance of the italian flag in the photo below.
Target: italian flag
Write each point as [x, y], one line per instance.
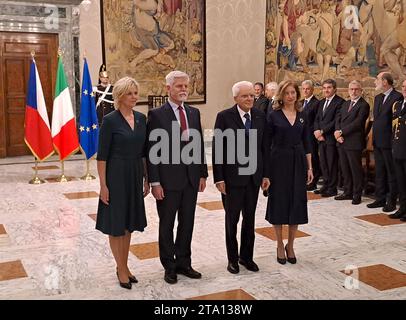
[64, 134]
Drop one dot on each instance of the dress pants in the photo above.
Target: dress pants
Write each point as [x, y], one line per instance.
[385, 179]
[351, 166]
[315, 161]
[329, 166]
[240, 199]
[400, 168]
[176, 254]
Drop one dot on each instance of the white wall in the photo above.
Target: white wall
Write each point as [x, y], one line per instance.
[235, 35]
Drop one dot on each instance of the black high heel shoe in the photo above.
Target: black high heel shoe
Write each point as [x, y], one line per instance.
[132, 279]
[125, 285]
[290, 260]
[280, 260]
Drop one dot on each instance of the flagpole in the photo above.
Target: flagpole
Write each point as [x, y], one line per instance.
[36, 179]
[88, 176]
[63, 178]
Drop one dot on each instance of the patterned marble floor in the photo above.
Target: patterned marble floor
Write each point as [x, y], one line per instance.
[49, 248]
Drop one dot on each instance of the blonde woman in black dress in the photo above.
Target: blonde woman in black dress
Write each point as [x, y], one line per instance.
[122, 172]
[290, 167]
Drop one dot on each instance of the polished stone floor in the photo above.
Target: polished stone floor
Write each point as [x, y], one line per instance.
[49, 248]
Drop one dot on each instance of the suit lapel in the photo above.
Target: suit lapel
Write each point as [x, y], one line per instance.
[354, 107]
[237, 118]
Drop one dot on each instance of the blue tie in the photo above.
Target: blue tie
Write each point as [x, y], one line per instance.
[247, 124]
[305, 104]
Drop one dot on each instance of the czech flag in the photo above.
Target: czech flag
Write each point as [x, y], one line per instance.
[37, 133]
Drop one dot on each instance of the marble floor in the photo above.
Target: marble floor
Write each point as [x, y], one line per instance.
[49, 248]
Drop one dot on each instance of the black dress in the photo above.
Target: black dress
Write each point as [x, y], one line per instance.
[287, 200]
[123, 149]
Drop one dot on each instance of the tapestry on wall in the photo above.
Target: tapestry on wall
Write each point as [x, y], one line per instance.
[339, 39]
[146, 39]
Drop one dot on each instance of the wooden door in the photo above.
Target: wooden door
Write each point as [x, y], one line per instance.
[15, 59]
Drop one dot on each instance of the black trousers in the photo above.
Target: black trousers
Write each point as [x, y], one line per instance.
[240, 199]
[315, 162]
[176, 254]
[385, 179]
[351, 166]
[400, 168]
[329, 166]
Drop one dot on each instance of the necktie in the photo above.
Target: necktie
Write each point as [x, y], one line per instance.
[183, 125]
[351, 106]
[247, 123]
[326, 105]
[305, 104]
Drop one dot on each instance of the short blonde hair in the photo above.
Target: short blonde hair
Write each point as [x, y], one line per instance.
[281, 92]
[121, 87]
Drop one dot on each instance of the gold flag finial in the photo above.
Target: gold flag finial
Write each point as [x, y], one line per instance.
[60, 52]
[33, 53]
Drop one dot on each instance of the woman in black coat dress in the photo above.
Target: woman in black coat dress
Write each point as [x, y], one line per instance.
[290, 167]
[122, 169]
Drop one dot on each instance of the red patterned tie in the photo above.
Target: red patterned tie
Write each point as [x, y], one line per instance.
[183, 125]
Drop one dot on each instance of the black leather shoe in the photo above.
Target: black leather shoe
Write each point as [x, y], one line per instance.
[376, 204]
[290, 260]
[319, 191]
[189, 272]
[280, 260]
[329, 194]
[356, 200]
[132, 279]
[170, 277]
[249, 265]
[311, 187]
[233, 267]
[125, 285]
[343, 196]
[397, 215]
[389, 207]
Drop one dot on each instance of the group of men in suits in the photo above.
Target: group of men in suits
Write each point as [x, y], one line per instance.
[340, 136]
[338, 128]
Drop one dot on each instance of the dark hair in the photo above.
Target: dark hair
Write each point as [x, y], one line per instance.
[330, 81]
[281, 92]
[259, 84]
[388, 77]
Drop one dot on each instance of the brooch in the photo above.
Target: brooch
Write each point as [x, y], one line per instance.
[301, 120]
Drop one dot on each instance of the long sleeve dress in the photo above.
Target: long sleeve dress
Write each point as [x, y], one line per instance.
[123, 149]
[287, 200]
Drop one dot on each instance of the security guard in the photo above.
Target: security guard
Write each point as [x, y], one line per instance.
[399, 152]
[104, 95]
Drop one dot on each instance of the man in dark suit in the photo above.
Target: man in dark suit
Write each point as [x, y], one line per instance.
[350, 136]
[175, 184]
[271, 89]
[399, 152]
[238, 185]
[260, 101]
[385, 180]
[324, 127]
[310, 106]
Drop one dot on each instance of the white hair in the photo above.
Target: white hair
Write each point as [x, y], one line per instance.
[309, 83]
[272, 85]
[356, 82]
[171, 76]
[237, 87]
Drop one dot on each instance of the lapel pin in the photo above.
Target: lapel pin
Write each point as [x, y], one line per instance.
[301, 120]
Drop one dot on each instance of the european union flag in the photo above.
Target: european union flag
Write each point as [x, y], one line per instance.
[89, 131]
